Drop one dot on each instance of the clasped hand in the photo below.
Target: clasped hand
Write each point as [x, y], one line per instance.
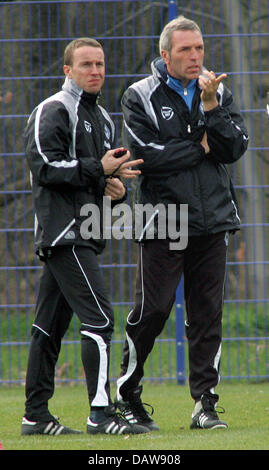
[120, 166]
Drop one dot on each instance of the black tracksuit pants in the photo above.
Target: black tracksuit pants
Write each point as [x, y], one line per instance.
[203, 264]
[71, 282]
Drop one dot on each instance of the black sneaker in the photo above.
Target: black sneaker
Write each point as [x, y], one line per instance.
[114, 424]
[51, 428]
[134, 412]
[207, 417]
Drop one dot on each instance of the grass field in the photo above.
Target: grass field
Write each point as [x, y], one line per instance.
[246, 412]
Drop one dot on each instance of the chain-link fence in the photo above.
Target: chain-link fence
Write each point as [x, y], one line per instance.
[34, 35]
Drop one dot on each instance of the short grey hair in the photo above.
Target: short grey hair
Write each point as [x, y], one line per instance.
[178, 24]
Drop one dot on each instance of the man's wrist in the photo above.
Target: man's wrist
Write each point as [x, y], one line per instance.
[210, 105]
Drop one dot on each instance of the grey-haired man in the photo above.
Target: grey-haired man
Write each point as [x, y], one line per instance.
[183, 122]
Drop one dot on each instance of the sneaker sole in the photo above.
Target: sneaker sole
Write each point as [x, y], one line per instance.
[61, 430]
[217, 426]
[152, 427]
[142, 430]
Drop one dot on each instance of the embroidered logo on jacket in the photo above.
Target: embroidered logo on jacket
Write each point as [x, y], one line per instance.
[167, 113]
[88, 126]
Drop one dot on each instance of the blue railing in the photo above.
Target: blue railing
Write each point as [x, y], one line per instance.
[237, 42]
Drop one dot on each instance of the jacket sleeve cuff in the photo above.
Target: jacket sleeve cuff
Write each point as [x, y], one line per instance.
[92, 170]
[208, 114]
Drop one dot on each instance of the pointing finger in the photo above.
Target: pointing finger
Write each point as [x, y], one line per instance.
[221, 77]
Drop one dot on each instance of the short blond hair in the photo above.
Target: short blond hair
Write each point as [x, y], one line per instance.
[75, 44]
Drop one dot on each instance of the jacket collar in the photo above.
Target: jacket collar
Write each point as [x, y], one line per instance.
[159, 70]
[71, 87]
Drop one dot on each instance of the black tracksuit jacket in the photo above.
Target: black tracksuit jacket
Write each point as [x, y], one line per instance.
[159, 128]
[66, 137]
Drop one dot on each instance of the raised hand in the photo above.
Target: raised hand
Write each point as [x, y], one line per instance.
[209, 84]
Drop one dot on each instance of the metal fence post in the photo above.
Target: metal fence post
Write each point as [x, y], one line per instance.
[180, 329]
[172, 9]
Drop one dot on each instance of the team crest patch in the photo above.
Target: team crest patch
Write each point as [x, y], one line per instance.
[167, 113]
[88, 126]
